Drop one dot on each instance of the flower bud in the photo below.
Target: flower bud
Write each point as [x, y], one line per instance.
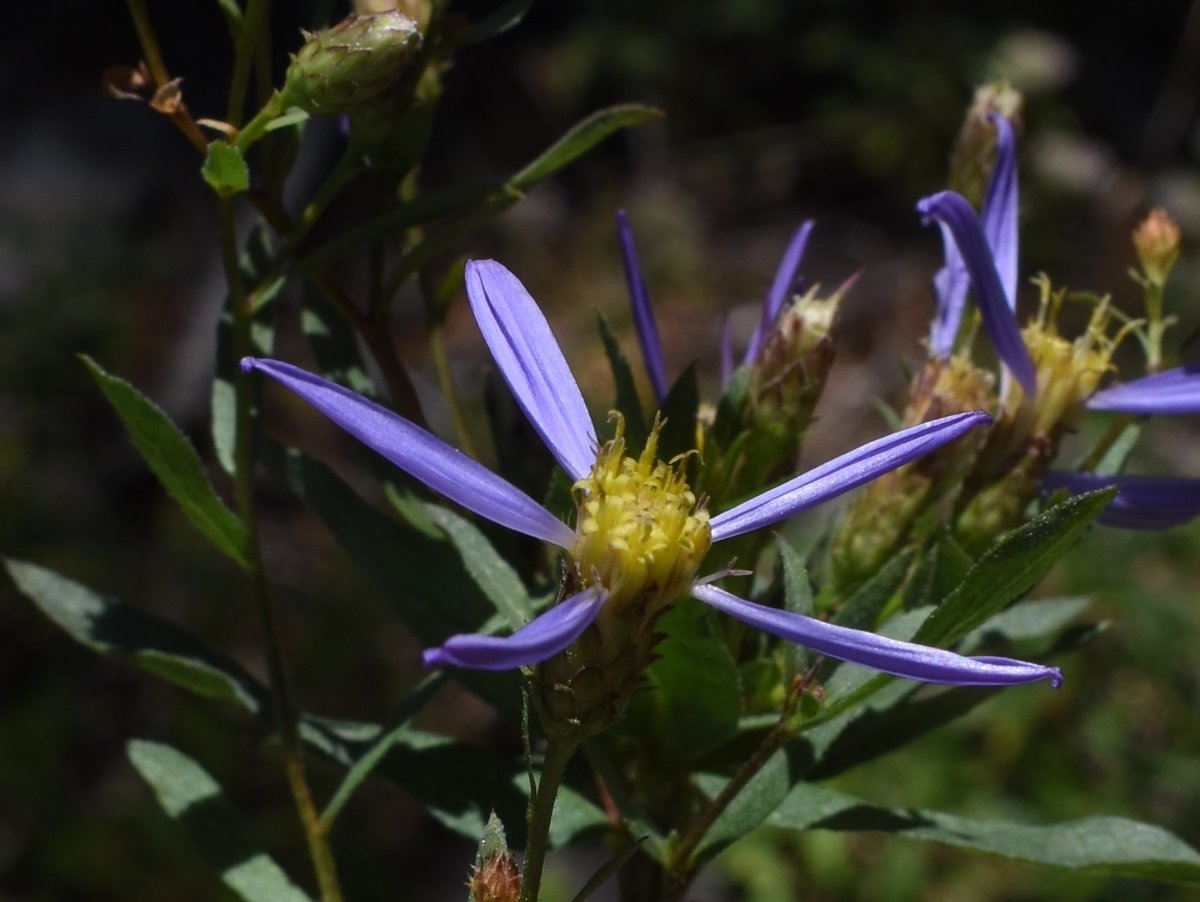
[887, 510]
[1027, 431]
[789, 376]
[351, 64]
[1157, 244]
[975, 151]
[496, 880]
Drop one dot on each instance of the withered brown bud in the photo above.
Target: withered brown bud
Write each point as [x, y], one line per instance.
[497, 880]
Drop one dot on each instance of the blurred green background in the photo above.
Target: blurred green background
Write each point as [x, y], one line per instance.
[777, 110]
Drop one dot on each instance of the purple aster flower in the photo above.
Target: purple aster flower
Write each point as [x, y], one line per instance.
[600, 544]
[982, 252]
[784, 283]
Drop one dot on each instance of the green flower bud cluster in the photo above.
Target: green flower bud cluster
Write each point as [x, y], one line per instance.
[975, 151]
[787, 380]
[352, 64]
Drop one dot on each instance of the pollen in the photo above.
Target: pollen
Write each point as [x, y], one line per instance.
[641, 532]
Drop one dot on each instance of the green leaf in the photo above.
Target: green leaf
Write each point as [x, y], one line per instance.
[695, 701]
[291, 116]
[503, 18]
[761, 795]
[627, 402]
[492, 573]
[368, 760]
[581, 138]
[190, 796]
[233, 15]
[1011, 568]
[635, 821]
[797, 598]
[255, 260]
[679, 409]
[423, 576]
[109, 627]
[460, 201]
[175, 462]
[864, 608]
[1034, 619]
[606, 870]
[225, 169]
[459, 784]
[1099, 846]
[334, 344]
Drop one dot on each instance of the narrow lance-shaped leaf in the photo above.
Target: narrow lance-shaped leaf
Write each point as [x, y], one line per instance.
[190, 796]
[1100, 846]
[1011, 568]
[580, 139]
[174, 461]
[163, 649]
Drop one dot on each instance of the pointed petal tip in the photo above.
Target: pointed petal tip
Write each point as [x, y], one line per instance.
[909, 660]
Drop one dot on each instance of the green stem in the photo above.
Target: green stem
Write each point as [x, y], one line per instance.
[159, 74]
[375, 335]
[1114, 432]
[244, 458]
[441, 366]
[254, 24]
[680, 864]
[541, 810]
[149, 42]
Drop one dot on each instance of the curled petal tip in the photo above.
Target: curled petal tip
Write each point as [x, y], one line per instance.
[246, 364]
[955, 214]
[432, 658]
[541, 638]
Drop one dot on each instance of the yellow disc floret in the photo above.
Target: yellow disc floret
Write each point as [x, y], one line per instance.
[640, 532]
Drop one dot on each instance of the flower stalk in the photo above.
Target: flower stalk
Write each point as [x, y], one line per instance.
[541, 811]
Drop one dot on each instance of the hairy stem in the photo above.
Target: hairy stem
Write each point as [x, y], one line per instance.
[541, 810]
[680, 864]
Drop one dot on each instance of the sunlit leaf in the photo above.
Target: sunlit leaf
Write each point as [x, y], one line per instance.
[190, 796]
[1099, 846]
[174, 461]
[627, 401]
[225, 169]
[581, 138]
[109, 627]
[1012, 567]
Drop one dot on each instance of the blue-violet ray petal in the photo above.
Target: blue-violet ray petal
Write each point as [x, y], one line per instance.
[541, 638]
[643, 313]
[1173, 391]
[777, 295]
[1142, 502]
[998, 320]
[843, 473]
[999, 214]
[532, 364]
[421, 454]
[903, 659]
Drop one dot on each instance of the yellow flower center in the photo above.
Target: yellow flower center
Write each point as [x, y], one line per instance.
[641, 532]
[1067, 371]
